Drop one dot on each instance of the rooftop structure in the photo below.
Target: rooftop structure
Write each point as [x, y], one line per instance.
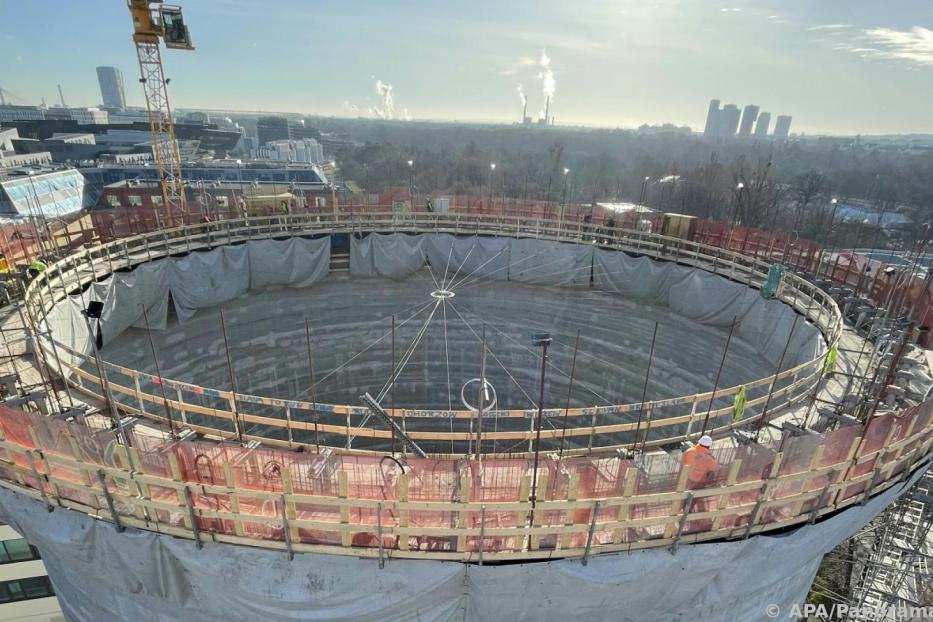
[110, 80]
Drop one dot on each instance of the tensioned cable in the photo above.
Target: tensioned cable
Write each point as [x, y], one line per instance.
[496, 358]
[479, 267]
[450, 406]
[447, 267]
[408, 354]
[462, 263]
[423, 305]
[483, 280]
[529, 349]
[394, 375]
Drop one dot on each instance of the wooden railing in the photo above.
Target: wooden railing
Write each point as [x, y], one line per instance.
[469, 510]
[218, 412]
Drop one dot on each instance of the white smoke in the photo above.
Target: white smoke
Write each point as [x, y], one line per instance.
[387, 109]
[405, 114]
[351, 107]
[522, 96]
[546, 75]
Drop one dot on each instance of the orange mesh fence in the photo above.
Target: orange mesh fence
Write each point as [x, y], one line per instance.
[275, 488]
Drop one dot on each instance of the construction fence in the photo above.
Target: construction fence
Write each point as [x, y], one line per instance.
[463, 509]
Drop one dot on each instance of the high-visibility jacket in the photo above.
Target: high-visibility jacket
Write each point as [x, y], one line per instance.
[38, 266]
[702, 465]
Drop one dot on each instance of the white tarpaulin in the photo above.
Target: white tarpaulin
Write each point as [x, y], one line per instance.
[196, 281]
[462, 258]
[296, 262]
[208, 279]
[546, 262]
[713, 300]
[394, 255]
[101, 575]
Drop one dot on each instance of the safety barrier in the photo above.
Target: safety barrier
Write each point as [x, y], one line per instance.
[470, 510]
[294, 422]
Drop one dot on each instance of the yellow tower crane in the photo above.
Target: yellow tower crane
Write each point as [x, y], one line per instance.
[154, 21]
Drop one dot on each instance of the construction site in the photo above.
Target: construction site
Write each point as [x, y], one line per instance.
[491, 411]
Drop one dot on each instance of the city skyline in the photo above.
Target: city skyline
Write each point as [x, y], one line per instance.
[837, 67]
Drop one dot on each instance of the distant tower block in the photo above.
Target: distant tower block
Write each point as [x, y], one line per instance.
[712, 119]
[110, 80]
[748, 119]
[764, 120]
[782, 126]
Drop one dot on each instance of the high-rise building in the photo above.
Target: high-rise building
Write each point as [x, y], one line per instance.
[764, 120]
[271, 128]
[748, 119]
[712, 119]
[111, 87]
[25, 590]
[729, 120]
[782, 126]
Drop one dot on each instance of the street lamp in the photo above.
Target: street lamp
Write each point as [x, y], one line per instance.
[737, 201]
[563, 201]
[492, 170]
[644, 190]
[542, 340]
[411, 183]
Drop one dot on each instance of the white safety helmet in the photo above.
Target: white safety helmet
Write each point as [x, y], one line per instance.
[705, 440]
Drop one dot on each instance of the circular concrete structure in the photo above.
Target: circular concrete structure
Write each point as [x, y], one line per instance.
[668, 337]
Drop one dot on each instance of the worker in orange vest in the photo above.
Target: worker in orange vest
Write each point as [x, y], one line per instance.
[701, 462]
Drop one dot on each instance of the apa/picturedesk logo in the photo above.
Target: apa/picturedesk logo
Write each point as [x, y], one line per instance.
[841, 611]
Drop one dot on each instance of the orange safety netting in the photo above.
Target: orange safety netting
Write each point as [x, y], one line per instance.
[259, 493]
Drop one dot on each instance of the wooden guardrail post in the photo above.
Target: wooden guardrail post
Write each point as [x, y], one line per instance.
[766, 488]
[572, 492]
[180, 494]
[343, 489]
[289, 511]
[463, 516]
[731, 479]
[524, 492]
[538, 520]
[682, 479]
[404, 512]
[234, 499]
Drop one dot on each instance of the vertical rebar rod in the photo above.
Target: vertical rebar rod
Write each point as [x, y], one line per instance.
[394, 376]
[481, 402]
[722, 363]
[233, 404]
[314, 413]
[573, 368]
[534, 473]
[155, 359]
[644, 391]
[777, 372]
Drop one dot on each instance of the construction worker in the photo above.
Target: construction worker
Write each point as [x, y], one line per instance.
[36, 267]
[701, 462]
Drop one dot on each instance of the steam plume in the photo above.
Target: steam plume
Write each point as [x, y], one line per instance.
[548, 84]
[387, 109]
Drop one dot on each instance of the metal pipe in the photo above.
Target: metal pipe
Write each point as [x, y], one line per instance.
[534, 474]
[644, 392]
[573, 367]
[233, 404]
[764, 411]
[481, 402]
[155, 359]
[712, 397]
[317, 432]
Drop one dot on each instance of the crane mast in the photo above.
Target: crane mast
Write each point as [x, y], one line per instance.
[154, 22]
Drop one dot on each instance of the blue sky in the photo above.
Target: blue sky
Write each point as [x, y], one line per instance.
[838, 66]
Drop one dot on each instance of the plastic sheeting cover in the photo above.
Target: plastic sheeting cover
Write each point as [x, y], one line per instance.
[101, 575]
